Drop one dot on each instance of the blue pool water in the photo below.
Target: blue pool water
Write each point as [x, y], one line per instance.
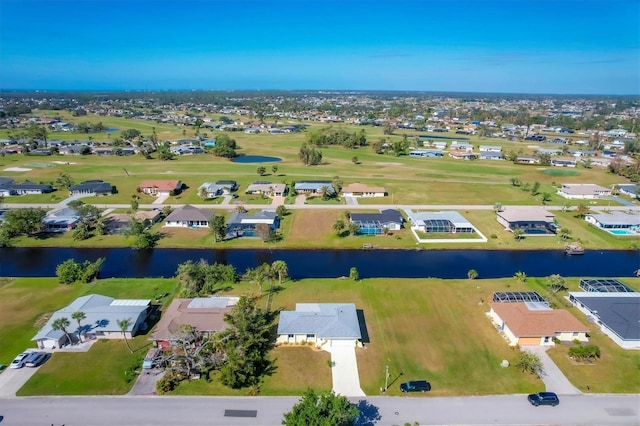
[621, 232]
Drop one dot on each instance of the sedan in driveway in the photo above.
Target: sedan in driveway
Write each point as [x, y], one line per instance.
[543, 398]
[35, 359]
[18, 362]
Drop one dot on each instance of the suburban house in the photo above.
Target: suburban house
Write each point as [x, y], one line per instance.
[267, 188]
[445, 221]
[204, 314]
[314, 187]
[189, 217]
[429, 153]
[102, 316]
[615, 220]
[631, 190]
[461, 146]
[245, 225]
[462, 155]
[489, 155]
[92, 187]
[583, 191]
[491, 148]
[614, 307]
[61, 220]
[6, 186]
[377, 223]
[532, 220]
[210, 190]
[160, 187]
[332, 324]
[28, 187]
[532, 322]
[186, 150]
[362, 190]
[228, 186]
[564, 162]
[526, 160]
[120, 223]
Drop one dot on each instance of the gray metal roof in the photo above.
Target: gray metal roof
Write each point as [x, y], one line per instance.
[189, 213]
[385, 216]
[325, 320]
[101, 315]
[619, 312]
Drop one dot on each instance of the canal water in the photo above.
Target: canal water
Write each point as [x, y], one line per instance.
[125, 262]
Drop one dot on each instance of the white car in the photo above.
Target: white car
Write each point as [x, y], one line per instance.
[18, 362]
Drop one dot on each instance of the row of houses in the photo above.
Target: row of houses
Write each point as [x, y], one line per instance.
[523, 318]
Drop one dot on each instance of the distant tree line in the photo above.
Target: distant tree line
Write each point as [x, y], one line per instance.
[337, 137]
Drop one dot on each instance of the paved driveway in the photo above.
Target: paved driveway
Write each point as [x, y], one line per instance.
[554, 380]
[12, 379]
[344, 370]
[351, 201]
[146, 382]
[161, 198]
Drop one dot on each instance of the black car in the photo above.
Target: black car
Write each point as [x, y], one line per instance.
[415, 386]
[544, 398]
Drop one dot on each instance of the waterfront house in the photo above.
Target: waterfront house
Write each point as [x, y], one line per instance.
[60, 220]
[377, 223]
[532, 220]
[245, 225]
[322, 324]
[615, 220]
[189, 216]
[442, 222]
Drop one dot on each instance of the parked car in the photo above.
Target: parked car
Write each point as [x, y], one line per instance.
[151, 359]
[34, 359]
[415, 386]
[544, 398]
[18, 362]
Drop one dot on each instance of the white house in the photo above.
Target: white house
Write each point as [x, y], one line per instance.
[361, 190]
[332, 324]
[583, 191]
[188, 217]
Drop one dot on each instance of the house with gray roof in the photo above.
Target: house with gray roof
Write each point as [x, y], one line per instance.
[246, 225]
[210, 190]
[5, 186]
[615, 220]
[630, 189]
[444, 221]
[617, 314]
[189, 216]
[62, 220]
[28, 187]
[228, 186]
[583, 191]
[376, 223]
[314, 187]
[532, 220]
[320, 323]
[101, 322]
[92, 187]
[267, 188]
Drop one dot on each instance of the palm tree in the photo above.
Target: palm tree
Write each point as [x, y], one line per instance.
[61, 324]
[565, 233]
[520, 276]
[79, 316]
[338, 226]
[472, 274]
[518, 233]
[124, 325]
[280, 267]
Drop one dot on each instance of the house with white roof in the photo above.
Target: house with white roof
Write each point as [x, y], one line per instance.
[444, 221]
[615, 220]
[583, 191]
[102, 314]
[332, 324]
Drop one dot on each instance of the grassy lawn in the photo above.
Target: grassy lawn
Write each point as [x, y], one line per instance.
[106, 369]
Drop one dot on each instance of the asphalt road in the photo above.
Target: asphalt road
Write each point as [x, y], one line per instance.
[195, 411]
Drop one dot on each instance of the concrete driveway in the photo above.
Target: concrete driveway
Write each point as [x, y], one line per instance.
[344, 370]
[146, 382]
[351, 201]
[554, 380]
[12, 379]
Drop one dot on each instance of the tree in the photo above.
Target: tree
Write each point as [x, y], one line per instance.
[23, 221]
[354, 160]
[69, 272]
[322, 409]
[338, 227]
[528, 362]
[354, 228]
[546, 197]
[472, 274]
[279, 267]
[518, 233]
[515, 181]
[164, 153]
[124, 324]
[218, 228]
[261, 170]
[61, 324]
[565, 233]
[134, 203]
[520, 276]
[556, 283]
[64, 180]
[246, 344]
[81, 232]
[582, 210]
[353, 274]
[79, 316]
[36, 131]
[281, 211]
[497, 207]
[535, 189]
[145, 240]
[274, 169]
[130, 134]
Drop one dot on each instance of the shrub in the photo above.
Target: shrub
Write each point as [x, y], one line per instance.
[494, 236]
[528, 363]
[168, 382]
[584, 352]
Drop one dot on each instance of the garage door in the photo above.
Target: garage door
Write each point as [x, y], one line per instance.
[343, 343]
[529, 341]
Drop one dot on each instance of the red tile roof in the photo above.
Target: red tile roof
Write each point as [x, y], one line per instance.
[161, 185]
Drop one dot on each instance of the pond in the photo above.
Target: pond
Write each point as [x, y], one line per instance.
[111, 130]
[125, 262]
[256, 159]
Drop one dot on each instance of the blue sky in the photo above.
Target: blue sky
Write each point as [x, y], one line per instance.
[512, 46]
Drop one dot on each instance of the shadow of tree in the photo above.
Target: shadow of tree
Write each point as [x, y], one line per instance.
[369, 413]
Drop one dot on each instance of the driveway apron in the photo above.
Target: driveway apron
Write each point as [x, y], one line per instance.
[344, 370]
[551, 375]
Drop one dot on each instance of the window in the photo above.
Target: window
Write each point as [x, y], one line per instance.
[546, 339]
[575, 334]
[311, 336]
[289, 336]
